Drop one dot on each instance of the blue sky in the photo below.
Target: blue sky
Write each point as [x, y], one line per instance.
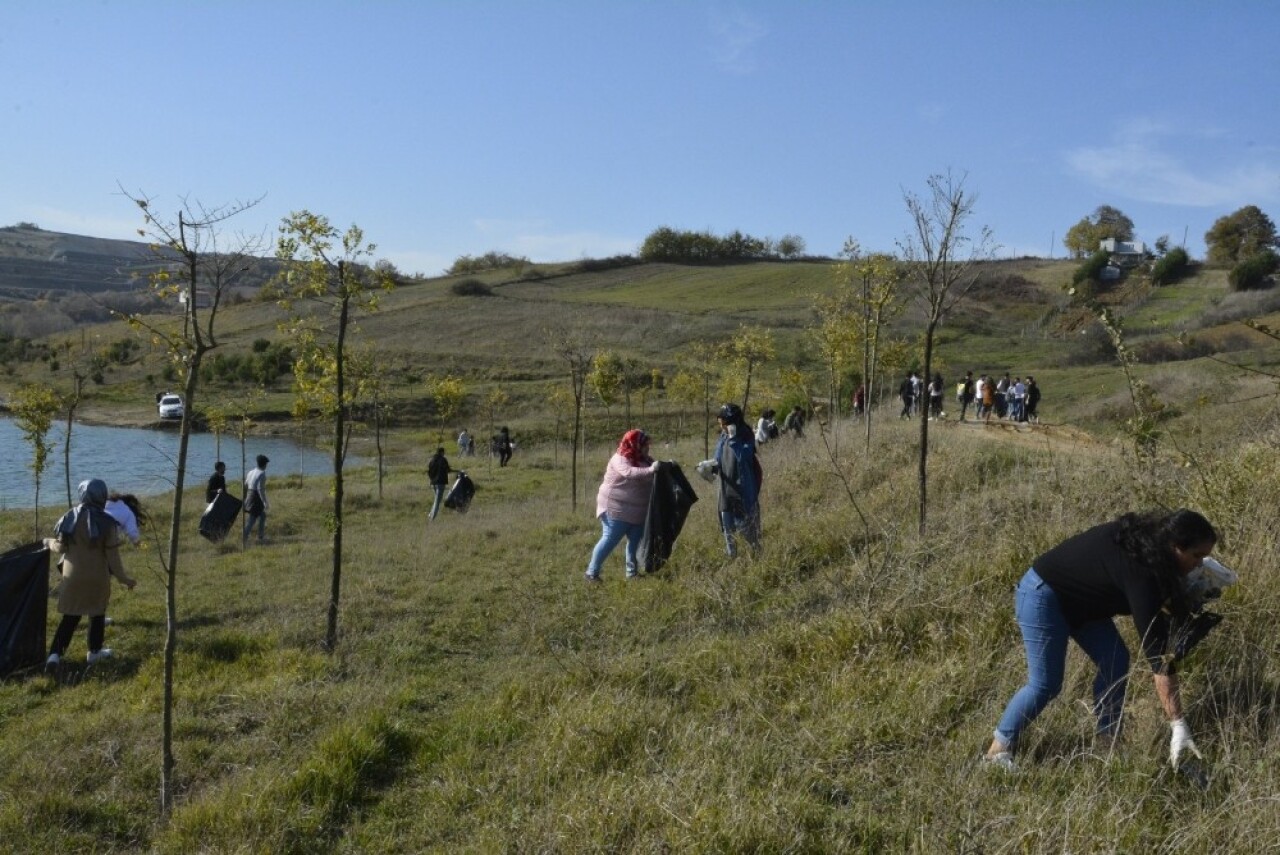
[561, 130]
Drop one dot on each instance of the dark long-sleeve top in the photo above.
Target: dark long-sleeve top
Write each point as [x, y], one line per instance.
[739, 484]
[1095, 579]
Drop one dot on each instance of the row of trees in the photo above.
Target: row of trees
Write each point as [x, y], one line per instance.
[690, 247]
[1231, 239]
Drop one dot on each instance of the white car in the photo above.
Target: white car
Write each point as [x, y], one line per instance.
[170, 406]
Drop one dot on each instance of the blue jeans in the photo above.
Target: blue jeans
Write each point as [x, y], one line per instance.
[611, 534]
[261, 519]
[1045, 632]
[438, 489]
[749, 527]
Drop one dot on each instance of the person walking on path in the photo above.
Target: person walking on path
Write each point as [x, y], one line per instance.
[438, 472]
[966, 393]
[622, 503]
[88, 539]
[741, 477]
[1134, 565]
[256, 505]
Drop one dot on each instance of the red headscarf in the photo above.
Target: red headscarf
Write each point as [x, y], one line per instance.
[633, 448]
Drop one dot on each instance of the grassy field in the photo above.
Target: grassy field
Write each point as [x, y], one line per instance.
[832, 694]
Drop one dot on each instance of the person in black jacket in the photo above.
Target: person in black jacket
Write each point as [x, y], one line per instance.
[1132, 566]
[217, 482]
[438, 472]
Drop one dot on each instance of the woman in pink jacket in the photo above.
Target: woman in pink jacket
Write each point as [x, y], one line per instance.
[623, 501]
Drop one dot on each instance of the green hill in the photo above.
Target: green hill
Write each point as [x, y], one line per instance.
[831, 695]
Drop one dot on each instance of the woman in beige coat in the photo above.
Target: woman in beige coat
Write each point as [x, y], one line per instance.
[88, 539]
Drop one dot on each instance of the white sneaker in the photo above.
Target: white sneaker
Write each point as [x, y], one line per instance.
[94, 656]
[52, 662]
[107, 621]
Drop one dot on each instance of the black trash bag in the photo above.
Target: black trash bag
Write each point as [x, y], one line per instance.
[669, 502]
[217, 519]
[1192, 631]
[24, 606]
[460, 494]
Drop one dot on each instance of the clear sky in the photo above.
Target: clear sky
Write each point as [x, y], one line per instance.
[562, 130]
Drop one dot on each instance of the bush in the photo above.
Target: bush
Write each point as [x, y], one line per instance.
[1091, 269]
[1254, 273]
[471, 288]
[1172, 267]
[489, 261]
[595, 265]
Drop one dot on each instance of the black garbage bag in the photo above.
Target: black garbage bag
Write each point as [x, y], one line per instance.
[218, 517]
[24, 606]
[460, 494]
[669, 502]
[1192, 631]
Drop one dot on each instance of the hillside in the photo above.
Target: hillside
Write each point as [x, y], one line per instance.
[829, 695]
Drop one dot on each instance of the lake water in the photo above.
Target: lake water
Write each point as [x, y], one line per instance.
[137, 460]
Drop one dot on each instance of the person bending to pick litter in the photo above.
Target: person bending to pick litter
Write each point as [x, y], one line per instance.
[1135, 565]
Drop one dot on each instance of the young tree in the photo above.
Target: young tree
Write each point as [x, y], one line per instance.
[1240, 235]
[200, 265]
[33, 407]
[836, 334]
[448, 393]
[749, 348]
[941, 261]
[876, 282]
[328, 272]
[607, 378]
[577, 358]
[699, 363]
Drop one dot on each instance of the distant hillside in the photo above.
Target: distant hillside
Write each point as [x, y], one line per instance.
[36, 263]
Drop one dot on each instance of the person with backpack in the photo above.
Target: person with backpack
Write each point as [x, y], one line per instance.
[741, 477]
[438, 473]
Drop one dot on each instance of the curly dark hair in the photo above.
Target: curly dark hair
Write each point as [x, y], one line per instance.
[1150, 538]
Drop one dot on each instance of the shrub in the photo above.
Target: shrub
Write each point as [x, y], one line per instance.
[1091, 269]
[1254, 273]
[471, 288]
[1172, 267]
[594, 265]
[491, 260]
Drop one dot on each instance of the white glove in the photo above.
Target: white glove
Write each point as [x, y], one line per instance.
[1181, 741]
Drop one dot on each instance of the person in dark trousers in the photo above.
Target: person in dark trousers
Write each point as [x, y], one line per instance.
[255, 500]
[794, 423]
[741, 477]
[438, 471]
[966, 393]
[217, 482]
[1134, 565]
[503, 445]
[88, 540]
[907, 392]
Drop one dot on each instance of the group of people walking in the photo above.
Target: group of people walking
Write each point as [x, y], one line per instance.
[1015, 399]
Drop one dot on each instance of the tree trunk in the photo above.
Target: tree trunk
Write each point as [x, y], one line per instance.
[924, 427]
[335, 586]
